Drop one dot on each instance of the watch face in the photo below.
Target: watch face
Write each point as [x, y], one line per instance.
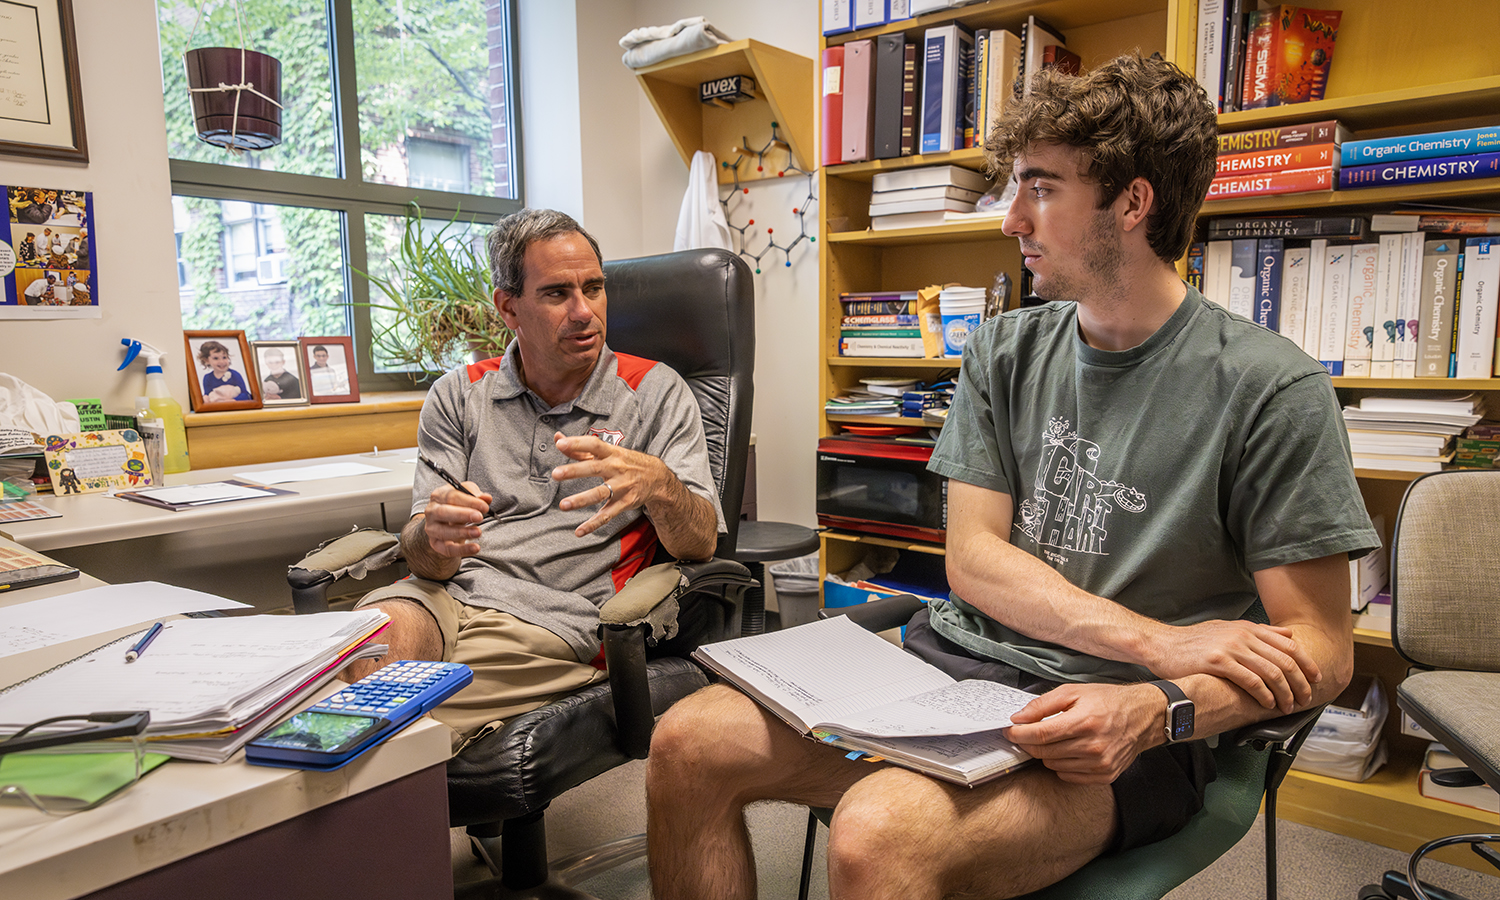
[1182, 721]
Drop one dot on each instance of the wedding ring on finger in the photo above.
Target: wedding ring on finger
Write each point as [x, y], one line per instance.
[611, 496]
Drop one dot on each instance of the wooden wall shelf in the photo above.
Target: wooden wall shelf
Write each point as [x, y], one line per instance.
[784, 81]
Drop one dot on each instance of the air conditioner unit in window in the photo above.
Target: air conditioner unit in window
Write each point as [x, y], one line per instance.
[271, 269]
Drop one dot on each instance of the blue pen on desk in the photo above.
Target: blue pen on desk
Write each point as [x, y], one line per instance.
[135, 652]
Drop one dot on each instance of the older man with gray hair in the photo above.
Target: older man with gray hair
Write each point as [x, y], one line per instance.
[577, 460]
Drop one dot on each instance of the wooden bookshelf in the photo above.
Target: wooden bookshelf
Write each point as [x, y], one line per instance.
[1395, 70]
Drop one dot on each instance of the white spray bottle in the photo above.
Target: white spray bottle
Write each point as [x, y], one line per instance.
[161, 403]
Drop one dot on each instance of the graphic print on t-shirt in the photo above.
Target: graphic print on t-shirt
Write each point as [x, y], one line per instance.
[1070, 506]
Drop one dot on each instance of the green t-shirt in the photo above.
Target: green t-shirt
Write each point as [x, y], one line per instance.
[1160, 476]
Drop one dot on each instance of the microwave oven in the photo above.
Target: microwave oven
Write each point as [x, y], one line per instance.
[880, 487]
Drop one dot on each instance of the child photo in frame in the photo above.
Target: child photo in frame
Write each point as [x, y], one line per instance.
[283, 379]
[223, 377]
[330, 369]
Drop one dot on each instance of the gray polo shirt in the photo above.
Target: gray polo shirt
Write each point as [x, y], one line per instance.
[481, 424]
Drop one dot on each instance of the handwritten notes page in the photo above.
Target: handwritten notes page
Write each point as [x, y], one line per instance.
[849, 687]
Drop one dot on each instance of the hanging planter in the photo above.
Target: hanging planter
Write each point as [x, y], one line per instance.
[235, 91]
[236, 97]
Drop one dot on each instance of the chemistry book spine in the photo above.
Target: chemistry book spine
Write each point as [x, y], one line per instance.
[1410, 304]
[1256, 87]
[1475, 355]
[1422, 146]
[1335, 318]
[1387, 302]
[1242, 265]
[1234, 52]
[1422, 171]
[1312, 326]
[1195, 266]
[1359, 321]
[1440, 261]
[909, 347]
[1269, 253]
[1276, 160]
[1343, 227]
[1294, 263]
[1437, 223]
[1326, 132]
[1265, 184]
[1208, 67]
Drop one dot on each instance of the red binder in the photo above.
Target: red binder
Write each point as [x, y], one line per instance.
[831, 146]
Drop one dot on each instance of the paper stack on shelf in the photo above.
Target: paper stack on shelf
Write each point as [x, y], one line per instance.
[918, 198]
[874, 397]
[210, 684]
[1409, 434]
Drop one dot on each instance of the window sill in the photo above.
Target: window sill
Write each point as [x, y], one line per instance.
[278, 434]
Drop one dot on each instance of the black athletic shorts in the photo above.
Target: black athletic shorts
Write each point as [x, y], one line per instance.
[1154, 798]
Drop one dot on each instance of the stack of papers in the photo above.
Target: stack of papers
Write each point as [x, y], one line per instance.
[184, 496]
[210, 684]
[1409, 434]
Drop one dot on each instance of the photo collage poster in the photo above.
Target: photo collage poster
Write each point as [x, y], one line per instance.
[47, 254]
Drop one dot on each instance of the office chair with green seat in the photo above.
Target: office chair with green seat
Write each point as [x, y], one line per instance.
[1251, 761]
[1444, 619]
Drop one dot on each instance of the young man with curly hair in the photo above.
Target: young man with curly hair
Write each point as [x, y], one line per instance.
[1132, 471]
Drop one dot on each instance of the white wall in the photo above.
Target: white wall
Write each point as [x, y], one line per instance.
[786, 384]
[132, 223]
[594, 148]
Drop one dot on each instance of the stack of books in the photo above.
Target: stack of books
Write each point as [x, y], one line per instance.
[1421, 158]
[1404, 304]
[930, 404]
[1478, 447]
[919, 198]
[880, 324]
[1284, 159]
[876, 396]
[1471, 791]
[1409, 434]
[1252, 58]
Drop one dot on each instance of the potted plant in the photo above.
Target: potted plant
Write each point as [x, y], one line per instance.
[436, 310]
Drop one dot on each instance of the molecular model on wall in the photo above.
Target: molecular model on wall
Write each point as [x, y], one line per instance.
[734, 199]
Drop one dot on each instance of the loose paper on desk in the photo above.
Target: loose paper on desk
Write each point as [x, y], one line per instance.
[309, 473]
[194, 494]
[42, 623]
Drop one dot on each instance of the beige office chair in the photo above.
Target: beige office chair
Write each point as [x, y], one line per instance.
[1445, 555]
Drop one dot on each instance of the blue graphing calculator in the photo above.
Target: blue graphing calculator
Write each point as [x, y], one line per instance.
[339, 728]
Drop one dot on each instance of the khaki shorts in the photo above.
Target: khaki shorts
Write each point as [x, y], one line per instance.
[517, 666]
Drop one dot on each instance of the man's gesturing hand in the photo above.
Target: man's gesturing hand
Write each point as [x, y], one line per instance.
[631, 479]
[1088, 733]
[1263, 660]
[451, 520]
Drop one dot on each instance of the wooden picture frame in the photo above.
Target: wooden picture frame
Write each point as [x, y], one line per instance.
[43, 115]
[337, 382]
[210, 379]
[281, 373]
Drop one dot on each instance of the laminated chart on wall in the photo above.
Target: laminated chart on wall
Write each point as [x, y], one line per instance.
[47, 254]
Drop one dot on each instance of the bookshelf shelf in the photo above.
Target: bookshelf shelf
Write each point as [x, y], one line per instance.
[988, 229]
[1380, 110]
[971, 158]
[850, 419]
[884, 362]
[784, 81]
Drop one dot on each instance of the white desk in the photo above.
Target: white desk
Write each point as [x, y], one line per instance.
[97, 519]
[376, 828]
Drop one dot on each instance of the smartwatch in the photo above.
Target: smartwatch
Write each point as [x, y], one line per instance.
[1179, 712]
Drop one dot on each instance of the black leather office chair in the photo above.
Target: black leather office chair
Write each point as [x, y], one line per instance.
[1444, 618]
[1251, 761]
[694, 311]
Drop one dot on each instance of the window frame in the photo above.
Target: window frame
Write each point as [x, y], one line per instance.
[353, 197]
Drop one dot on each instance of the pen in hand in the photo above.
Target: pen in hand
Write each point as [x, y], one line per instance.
[443, 474]
[134, 653]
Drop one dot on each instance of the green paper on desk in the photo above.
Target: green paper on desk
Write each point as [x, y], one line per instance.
[84, 777]
[90, 414]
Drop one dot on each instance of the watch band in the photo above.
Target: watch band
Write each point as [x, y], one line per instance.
[1173, 692]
